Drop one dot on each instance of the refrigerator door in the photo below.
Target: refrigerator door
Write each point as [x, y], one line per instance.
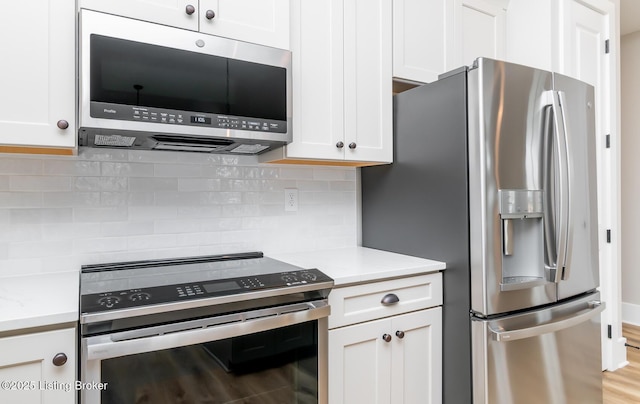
[545, 356]
[575, 113]
[508, 117]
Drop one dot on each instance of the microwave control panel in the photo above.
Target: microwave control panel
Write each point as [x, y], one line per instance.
[121, 112]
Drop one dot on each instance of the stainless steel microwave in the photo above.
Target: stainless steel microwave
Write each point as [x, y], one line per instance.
[154, 87]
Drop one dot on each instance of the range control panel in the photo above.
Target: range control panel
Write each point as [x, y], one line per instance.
[122, 112]
[121, 299]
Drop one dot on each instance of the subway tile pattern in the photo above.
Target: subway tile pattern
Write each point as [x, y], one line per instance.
[58, 213]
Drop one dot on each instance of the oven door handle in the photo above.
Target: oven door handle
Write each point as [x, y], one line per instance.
[200, 331]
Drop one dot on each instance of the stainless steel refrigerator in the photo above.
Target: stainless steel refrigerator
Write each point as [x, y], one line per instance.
[494, 173]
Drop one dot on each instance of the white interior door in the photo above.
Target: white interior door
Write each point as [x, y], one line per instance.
[588, 55]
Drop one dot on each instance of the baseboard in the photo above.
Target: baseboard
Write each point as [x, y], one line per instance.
[631, 313]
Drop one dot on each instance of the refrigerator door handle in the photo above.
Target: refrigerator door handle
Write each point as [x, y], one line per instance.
[595, 308]
[560, 138]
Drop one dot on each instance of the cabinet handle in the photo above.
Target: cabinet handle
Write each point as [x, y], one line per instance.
[210, 14]
[390, 299]
[190, 9]
[352, 145]
[386, 338]
[59, 359]
[400, 334]
[339, 145]
[62, 124]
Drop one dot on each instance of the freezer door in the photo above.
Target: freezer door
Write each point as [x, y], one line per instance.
[546, 356]
[508, 118]
[576, 118]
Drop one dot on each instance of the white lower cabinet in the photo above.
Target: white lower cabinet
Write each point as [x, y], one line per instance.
[394, 359]
[39, 368]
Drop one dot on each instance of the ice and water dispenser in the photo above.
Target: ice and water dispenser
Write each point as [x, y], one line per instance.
[521, 216]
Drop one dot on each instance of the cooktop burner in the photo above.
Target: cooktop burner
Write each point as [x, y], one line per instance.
[204, 280]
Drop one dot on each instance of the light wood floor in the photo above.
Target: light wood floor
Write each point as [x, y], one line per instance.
[623, 385]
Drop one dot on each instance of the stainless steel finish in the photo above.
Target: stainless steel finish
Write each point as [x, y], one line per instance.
[59, 359]
[562, 182]
[552, 356]
[553, 326]
[200, 331]
[386, 337]
[189, 304]
[389, 299]
[581, 271]
[62, 124]
[140, 31]
[507, 104]
[91, 368]
[507, 236]
[520, 204]
[400, 334]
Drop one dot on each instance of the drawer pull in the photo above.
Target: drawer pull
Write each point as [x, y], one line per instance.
[400, 334]
[390, 299]
[386, 338]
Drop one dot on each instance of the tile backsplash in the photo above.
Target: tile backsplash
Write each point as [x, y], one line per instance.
[57, 213]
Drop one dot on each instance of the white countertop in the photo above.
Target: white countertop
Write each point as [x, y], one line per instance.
[38, 300]
[359, 264]
[48, 299]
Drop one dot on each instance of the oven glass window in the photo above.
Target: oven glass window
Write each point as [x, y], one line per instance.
[278, 366]
[133, 73]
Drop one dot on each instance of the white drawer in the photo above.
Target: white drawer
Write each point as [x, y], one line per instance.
[355, 304]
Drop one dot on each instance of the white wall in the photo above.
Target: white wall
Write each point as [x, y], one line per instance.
[630, 141]
[57, 213]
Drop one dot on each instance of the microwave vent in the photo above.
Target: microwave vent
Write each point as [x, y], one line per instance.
[114, 140]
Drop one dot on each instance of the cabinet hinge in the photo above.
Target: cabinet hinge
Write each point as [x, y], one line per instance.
[608, 235]
[606, 46]
[609, 331]
[608, 141]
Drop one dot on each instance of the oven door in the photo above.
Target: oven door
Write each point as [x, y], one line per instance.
[272, 355]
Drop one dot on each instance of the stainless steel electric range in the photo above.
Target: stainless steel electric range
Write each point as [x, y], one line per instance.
[216, 329]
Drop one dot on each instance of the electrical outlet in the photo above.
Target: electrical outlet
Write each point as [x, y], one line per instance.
[291, 200]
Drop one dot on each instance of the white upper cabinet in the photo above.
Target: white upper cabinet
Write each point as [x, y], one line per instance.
[177, 13]
[258, 21]
[433, 37]
[423, 39]
[342, 87]
[264, 22]
[482, 27]
[37, 102]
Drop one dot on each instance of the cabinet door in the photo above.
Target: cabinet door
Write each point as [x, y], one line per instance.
[416, 370]
[28, 358]
[360, 363]
[318, 57]
[166, 12]
[263, 22]
[368, 102]
[423, 35]
[38, 74]
[481, 26]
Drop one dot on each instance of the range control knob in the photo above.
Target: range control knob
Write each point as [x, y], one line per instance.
[108, 301]
[309, 276]
[289, 278]
[139, 297]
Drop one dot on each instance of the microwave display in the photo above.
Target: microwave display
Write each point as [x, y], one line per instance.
[137, 81]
